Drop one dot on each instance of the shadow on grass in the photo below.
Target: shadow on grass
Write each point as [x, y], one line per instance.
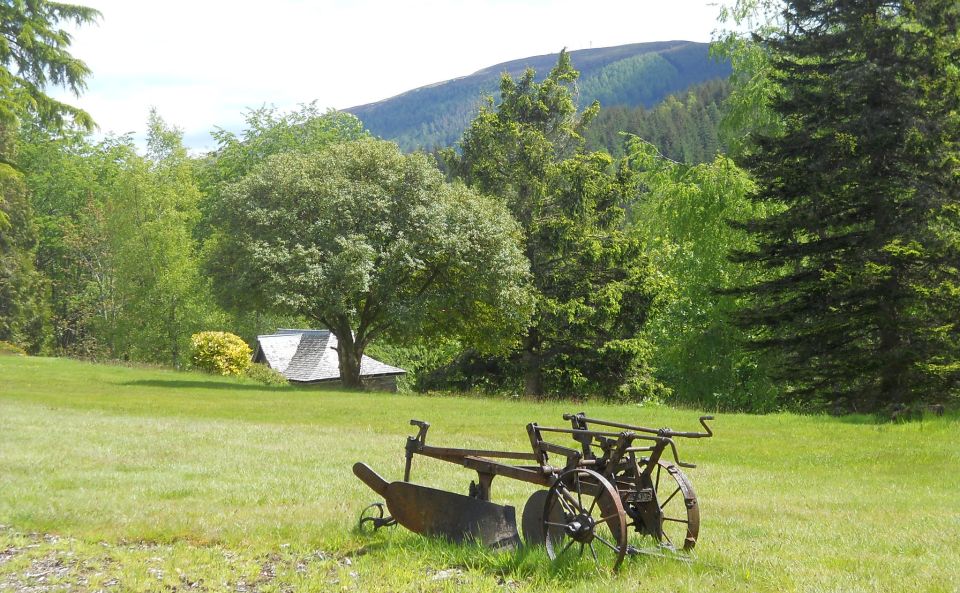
[909, 417]
[222, 385]
[525, 563]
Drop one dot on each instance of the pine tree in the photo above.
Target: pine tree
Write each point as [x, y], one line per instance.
[34, 56]
[594, 284]
[860, 241]
[23, 311]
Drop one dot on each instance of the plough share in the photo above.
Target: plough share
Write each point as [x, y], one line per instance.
[613, 479]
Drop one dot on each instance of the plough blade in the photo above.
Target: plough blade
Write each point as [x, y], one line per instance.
[433, 512]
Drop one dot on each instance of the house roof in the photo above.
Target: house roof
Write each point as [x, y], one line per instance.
[309, 355]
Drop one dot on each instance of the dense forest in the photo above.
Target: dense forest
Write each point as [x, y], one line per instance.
[785, 239]
[684, 127]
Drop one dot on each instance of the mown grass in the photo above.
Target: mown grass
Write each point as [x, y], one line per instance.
[128, 479]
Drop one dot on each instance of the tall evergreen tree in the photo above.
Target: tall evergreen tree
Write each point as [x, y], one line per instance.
[23, 313]
[860, 243]
[33, 56]
[594, 284]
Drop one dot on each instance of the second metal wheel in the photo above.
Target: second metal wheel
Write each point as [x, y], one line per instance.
[680, 524]
[583, 514]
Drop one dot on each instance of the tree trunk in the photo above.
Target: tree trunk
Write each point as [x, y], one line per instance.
[349, 354]
[532, 375]
[891, 351]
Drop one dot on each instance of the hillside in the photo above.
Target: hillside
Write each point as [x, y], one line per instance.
[635, 75]
[684, 127]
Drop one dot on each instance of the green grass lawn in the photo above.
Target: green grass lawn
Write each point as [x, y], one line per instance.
[123, 479]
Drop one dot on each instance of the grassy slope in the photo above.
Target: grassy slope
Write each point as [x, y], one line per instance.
[154, 480]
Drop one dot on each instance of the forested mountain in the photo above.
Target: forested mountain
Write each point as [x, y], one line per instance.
[639, 74]
[684, 127]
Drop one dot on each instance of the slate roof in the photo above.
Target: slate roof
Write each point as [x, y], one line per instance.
[309, 356]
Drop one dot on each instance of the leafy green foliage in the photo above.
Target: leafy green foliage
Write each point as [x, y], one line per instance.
[222, 353]
[594, 283]
[269, 131]
[156, 260]
[265, 375]
[371, 243]
[640, 74]
[116, 243]
[747, 111]
[70, 191]
[420, 358]
[23, 314]
[33, 55]
[681, 212]
[860, 237]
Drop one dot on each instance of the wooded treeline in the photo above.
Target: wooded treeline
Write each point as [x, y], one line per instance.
[684, 127]
[790, 238]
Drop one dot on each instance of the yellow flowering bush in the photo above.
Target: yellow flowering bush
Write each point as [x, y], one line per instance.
[220, 352]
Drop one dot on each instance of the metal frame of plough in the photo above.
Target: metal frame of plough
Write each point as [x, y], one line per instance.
[611, 482]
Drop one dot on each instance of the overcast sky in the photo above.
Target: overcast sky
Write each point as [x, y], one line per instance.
[203, 63]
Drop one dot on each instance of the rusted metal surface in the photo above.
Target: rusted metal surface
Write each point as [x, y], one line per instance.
[452, 516]
[433, 512]
[371, 478]
[599, 488]
[532, 520]
[578, 508]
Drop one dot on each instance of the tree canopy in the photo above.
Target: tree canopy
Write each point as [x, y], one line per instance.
[269, 131]
[859, 236]
[594, 284]
[371, 243]
[34, 55]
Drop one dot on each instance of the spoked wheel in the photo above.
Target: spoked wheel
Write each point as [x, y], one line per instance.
[583, 515]
[680, 522]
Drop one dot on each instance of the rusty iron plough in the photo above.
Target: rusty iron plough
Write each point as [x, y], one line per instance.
[613, 479]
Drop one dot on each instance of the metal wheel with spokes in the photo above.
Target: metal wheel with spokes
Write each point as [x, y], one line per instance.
[583, 514]
[680, 522]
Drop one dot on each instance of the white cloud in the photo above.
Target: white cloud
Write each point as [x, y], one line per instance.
[200, 63]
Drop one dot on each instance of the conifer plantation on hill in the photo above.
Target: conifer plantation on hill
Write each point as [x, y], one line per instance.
[634, 75]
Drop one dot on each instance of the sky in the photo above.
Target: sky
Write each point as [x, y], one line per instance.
[203, 63]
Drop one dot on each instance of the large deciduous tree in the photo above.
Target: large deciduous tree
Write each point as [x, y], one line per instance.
[153, 212]
[371, 243]
[116, 243]
[681, 212]
[269, 131]
[860, 241]
[594, 283]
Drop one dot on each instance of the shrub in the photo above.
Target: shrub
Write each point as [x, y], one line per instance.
[262, 373]
[220, 352]
[8, 349]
